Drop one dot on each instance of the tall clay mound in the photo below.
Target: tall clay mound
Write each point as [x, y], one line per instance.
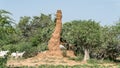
[54, 41]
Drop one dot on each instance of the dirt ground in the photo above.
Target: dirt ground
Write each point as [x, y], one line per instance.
[45, 57]
[50, 58]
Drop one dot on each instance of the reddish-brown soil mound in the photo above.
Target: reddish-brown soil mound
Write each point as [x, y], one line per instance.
[57, 53]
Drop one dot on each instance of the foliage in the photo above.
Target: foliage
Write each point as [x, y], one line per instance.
[31, 35]
[6, 28]
[85, 34]
[110, 46]
[3, 62]
[78, 58]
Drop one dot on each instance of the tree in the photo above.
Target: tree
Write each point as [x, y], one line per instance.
[33, 34]
[85, 34]
[113, 48]
[110, 45]
[6, 28]
[41, 28]
[24, 26]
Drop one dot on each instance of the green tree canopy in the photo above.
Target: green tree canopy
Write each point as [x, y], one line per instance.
[85, 34]
[6, 28]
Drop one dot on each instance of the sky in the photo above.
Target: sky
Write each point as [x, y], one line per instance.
[107, 12]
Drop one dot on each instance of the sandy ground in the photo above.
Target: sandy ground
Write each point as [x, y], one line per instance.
[44, 58]
[50, 58]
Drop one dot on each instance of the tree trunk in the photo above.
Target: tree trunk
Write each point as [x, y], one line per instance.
[86, 54]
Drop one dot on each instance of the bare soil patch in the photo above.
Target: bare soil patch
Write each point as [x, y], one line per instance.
[46, 57]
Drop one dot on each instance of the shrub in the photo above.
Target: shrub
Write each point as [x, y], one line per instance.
[3, 62]
[10, 47]
[42, 47]
[64, 53]
[79, 58]
[94, 61]
[29, 49]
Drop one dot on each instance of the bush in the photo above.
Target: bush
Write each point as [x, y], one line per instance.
[34, 50]
[64, 53]
[42, 47]
[94, 61]
[29, 49]
[9, 47]
[79, 58]
[111, 52]
[3, 62]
